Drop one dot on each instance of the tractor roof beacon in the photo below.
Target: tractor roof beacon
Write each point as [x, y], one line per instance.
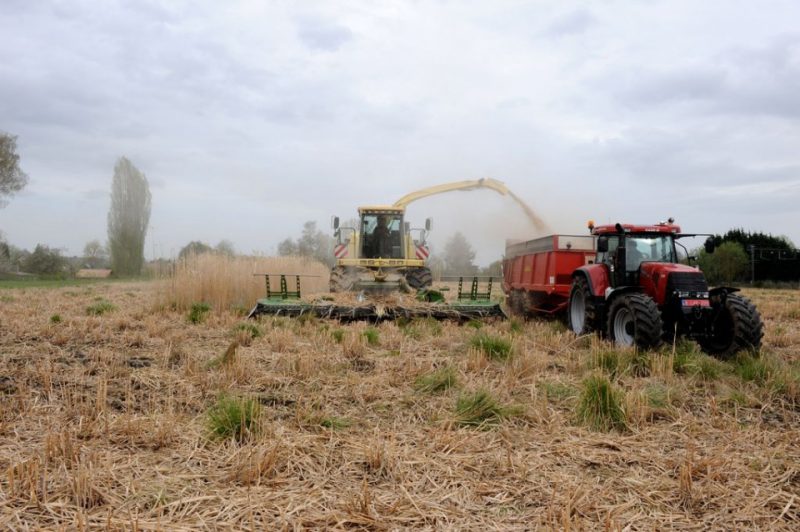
[636, 293]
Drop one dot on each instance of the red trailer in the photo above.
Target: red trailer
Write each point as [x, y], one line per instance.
[537, 274]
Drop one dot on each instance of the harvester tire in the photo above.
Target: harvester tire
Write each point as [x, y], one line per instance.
[581, 309]
[737, 327]
[634, 320]
[341, 280]
[419, 278]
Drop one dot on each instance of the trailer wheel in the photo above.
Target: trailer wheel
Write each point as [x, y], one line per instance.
[419, 278]
[737, 326]
[634, 320]
[581, 311]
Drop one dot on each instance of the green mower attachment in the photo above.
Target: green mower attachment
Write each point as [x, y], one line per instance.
[432, 304]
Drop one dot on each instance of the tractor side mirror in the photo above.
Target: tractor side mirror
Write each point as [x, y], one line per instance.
[335, 222]
[602, 245]
[710, 245]
[428, 224]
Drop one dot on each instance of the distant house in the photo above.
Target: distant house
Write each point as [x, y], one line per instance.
[93, 274]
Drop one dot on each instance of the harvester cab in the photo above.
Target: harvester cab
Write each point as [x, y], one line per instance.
[638, 293]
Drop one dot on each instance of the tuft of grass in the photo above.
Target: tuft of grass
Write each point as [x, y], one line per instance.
[100, 308]
[558, 391]
[608, 361]
[707, 368]
[5, 298]
[251, 329]
[600, 405]
[225, 359]
[334, 423]
[234, 417]
[55, 318]
[198, 312]
[338, 335]
[372, 335]
[481, 409]
[493, 347]
[515, 326]
[475, 324]
[751, 369]
[437, 381]
[639, 363]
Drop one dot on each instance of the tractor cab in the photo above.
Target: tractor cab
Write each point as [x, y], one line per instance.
[624, 248]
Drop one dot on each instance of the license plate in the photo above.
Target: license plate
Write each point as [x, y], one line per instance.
[695, 303]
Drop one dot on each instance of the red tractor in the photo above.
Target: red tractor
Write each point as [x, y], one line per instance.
[636, 293]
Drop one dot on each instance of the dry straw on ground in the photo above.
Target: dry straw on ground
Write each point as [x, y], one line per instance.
[104, 424]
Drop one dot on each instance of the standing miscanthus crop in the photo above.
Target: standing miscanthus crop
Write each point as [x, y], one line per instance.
[226, 282]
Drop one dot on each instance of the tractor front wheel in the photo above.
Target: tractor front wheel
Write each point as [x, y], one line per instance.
[737, 325]
[634, 320]
[581, 310]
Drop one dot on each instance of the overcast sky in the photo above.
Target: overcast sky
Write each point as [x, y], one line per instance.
[251, 117]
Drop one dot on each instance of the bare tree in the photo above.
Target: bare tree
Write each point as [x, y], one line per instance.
[459, 256]
[12, 178]
[94, 254]
[128, 218]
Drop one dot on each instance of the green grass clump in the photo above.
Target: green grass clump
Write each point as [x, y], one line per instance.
[559, 391]
[55, 318]
[100, 308]
[639, 363]
[708, 368]
[494, 347]
[480, 409]
[338, 335]
[7, 299]
[436, 382]
[607, 361]
[600, 405]
[372, 335]
[253, 330]
[334, 423]
[198, 312]
[234, 417]
[515, 326]
[475, 324]
[751, 369]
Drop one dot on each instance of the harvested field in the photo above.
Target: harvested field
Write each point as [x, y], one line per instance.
[119, 412]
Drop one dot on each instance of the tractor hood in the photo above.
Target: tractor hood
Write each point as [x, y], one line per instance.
[659, 278]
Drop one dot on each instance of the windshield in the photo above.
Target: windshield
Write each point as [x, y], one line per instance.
[380, 234]
[639, 249]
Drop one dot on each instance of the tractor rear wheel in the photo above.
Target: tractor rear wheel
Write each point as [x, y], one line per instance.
[419, 278]
[342, 280]
[581, 310]
[634, 320]
[737, 326]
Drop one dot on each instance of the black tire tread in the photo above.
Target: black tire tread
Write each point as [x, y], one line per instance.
[419, 278]
[590, 323]
[647, 319]
[748, 329]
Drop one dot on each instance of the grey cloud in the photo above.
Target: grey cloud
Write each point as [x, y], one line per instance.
[741, 81]
[320, 34]
[572, 23]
